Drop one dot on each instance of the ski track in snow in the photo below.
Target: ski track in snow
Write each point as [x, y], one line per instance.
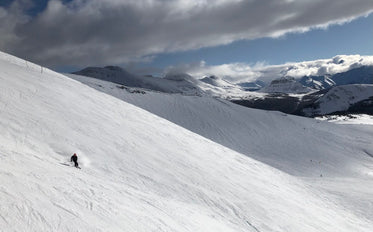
[141, 172]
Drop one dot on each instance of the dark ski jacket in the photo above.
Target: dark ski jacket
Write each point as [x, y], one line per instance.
[74, 158]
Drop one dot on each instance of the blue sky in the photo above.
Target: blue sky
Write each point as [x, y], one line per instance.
[355, 37]
[149, 36]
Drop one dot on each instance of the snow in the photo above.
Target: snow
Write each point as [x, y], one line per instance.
[141, 172]
[271, 137]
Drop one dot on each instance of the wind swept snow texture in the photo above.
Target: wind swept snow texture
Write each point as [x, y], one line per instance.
[145, 173]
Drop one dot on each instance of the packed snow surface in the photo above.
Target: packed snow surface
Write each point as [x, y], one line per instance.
[141, 172]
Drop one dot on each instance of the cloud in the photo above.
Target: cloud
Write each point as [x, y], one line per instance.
[241, 72]
[98, 32]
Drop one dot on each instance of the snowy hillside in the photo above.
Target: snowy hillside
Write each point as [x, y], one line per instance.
[255, 133]
[340, 98]
[337, 153]
[143, 173]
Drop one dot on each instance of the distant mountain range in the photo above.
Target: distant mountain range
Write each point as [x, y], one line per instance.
[306, 96]
[181, 83]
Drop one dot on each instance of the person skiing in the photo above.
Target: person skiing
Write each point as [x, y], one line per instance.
[74, 158]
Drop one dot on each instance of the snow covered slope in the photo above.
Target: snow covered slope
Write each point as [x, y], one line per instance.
[140, 172]
[271, 137]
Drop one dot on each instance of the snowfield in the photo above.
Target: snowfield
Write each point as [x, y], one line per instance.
[141, 172]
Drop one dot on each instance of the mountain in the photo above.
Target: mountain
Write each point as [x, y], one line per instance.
[309, 83]
[361, 75]
[287, 94]
[218, 82]
[216, 86]
[286, 85]
[171, 83]
[141, 172]
[347, 99]
[306, 95]
[317, 82]
[178, 83]
[340, 99]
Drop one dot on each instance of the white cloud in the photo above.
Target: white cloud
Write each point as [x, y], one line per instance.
[241, 72]
[98, 32]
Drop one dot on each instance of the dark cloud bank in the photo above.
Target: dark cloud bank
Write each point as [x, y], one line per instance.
[97, 32]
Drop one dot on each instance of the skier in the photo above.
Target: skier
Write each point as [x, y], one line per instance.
[74, 158]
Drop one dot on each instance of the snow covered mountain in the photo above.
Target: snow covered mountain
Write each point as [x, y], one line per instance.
[361, 75]
[340, 99]
[287, 84]
[171, 83]
[141, 172]
[317, 82]
[303, 96]
[180, 83]
[286, 94]
[218, 82]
